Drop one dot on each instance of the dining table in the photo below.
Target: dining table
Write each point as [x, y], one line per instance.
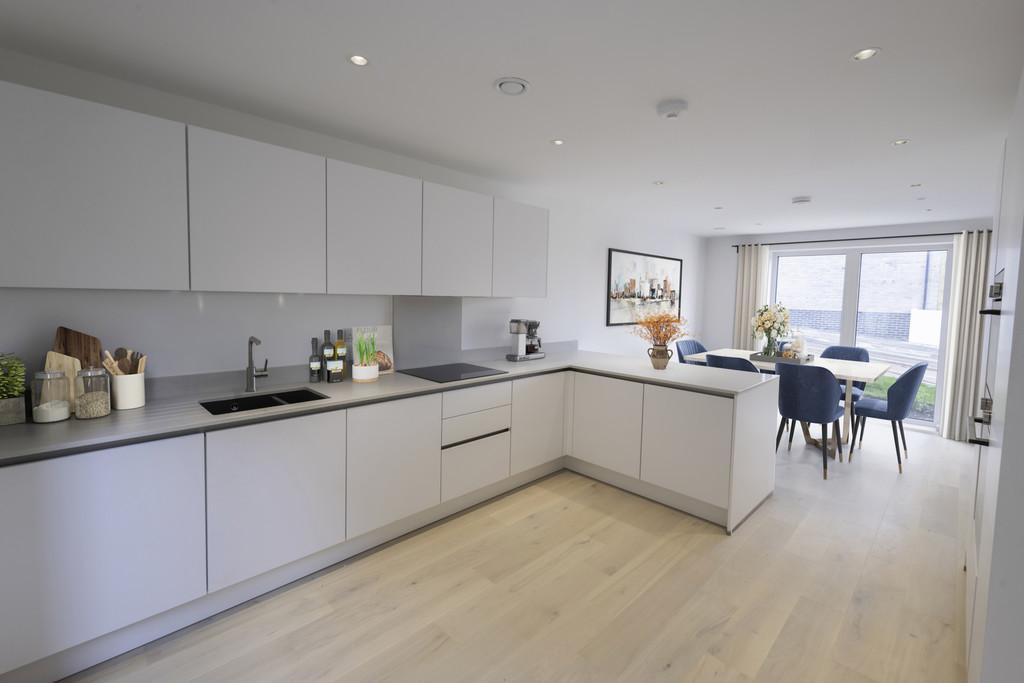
[849, 371]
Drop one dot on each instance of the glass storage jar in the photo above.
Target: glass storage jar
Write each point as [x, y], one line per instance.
[50, 396]
[92, 394]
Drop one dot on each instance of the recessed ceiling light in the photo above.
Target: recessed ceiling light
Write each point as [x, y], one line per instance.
[758, 224]
[721, 227]
[510, 85]
[802, 199]
[915, 184]
[865, 54]
[659, 182]
[359, 60]
[719, 208]
[900, 142]
[558, 142]
[921, 199]
[927, 209]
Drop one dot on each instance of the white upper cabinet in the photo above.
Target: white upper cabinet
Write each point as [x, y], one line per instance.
[458, 231]
[374, 231]
[257, 216]
[90, 196]
[520, 249]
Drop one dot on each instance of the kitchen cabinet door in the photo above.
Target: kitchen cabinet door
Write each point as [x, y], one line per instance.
[687, 443]
[607, 416]
[374, 231]
[96, 541]
[458, 231]
[394, 461]
[538, 409]
[275, 494]
[257, 216]
[91, 196]
[520, 249]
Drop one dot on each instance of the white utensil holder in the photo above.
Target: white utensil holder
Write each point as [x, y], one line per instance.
[129, 391]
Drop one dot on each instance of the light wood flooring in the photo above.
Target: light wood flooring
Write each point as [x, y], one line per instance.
[854, 580]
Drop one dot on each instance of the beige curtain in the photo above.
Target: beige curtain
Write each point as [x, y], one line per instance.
[752, 264]
[964, 335]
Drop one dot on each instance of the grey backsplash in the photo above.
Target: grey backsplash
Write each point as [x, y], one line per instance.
[196, 342]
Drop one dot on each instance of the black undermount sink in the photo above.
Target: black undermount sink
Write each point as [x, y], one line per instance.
[239, 404]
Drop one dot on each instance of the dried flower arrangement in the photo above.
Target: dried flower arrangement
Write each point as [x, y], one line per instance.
[660, 328]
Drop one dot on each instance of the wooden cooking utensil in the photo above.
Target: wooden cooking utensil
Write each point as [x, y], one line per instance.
[142, 365]
[125, 366]
[84, 347]
[119, 353]
[111, 365]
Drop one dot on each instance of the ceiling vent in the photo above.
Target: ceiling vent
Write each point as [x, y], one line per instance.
[510, 85]
[803, 199]
[671, 109]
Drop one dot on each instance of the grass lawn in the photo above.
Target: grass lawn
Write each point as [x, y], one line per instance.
[924, 404]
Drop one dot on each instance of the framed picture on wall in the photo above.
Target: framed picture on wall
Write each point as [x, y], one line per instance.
[641, 284]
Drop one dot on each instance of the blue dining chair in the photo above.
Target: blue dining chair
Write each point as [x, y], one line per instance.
[731, 363]
[809, 393]
[894, 408]
[688, 347]
[849, 353]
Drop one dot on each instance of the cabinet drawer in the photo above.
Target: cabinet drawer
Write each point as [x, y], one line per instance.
[462, 401]
[474, 465]
[462, 427]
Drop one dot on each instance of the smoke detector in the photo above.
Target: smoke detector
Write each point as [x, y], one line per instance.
[803, 199]
[671, 109]
[510, 85]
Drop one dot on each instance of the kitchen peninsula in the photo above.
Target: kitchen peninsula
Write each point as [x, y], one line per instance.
[231, 506]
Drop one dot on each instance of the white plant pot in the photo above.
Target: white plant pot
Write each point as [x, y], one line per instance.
[365, 373]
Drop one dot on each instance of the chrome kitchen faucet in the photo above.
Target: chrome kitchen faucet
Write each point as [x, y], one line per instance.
[251, 373]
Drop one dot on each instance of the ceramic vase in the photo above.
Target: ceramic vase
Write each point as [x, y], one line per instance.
[660, 356]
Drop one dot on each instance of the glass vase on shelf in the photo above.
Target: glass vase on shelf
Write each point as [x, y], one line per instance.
[771, 346]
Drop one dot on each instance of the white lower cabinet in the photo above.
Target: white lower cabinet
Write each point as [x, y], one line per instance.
[275, 494]
[538, 416]
[96, 541]
[607, 416]
[687, 443]
[394, 461]
[473, 465]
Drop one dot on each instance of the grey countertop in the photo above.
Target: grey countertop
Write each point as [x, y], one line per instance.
[161, 419]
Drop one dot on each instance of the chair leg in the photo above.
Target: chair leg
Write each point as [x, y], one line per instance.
[792, 431]
[778, 437]
[857, 424]
[839, 439]
[863, 424]
[824, 451]
[903, 438]
[896, 442]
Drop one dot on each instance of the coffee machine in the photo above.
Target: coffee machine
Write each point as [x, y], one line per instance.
[527, 341]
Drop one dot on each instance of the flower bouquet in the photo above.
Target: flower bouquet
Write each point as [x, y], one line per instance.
[660, 329]
[771, 322]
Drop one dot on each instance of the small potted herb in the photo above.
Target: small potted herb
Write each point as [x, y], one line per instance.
[365, 368]
[12, 390]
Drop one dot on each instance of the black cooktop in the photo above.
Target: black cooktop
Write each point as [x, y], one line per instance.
[452, 372]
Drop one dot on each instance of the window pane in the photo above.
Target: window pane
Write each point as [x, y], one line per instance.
[899, 318]
[811, 287]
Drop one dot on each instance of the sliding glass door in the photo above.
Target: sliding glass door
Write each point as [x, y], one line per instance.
[890, 300]
[900, 316]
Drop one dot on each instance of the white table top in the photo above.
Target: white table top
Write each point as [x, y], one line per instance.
[853, 370]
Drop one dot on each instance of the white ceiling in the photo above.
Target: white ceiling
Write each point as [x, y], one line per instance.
[777, 107]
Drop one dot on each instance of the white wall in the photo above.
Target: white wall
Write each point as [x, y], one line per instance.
[720, 265]
[578, 280]
[184, 339]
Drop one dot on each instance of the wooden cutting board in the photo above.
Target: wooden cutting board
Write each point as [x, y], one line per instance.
[80, 345]
[69, 366]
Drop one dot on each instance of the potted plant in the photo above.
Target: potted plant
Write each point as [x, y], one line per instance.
[771, 322]
[365, 368]
[660, 329]
[12, 390]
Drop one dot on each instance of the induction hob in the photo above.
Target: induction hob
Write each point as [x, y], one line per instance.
[452, 372]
